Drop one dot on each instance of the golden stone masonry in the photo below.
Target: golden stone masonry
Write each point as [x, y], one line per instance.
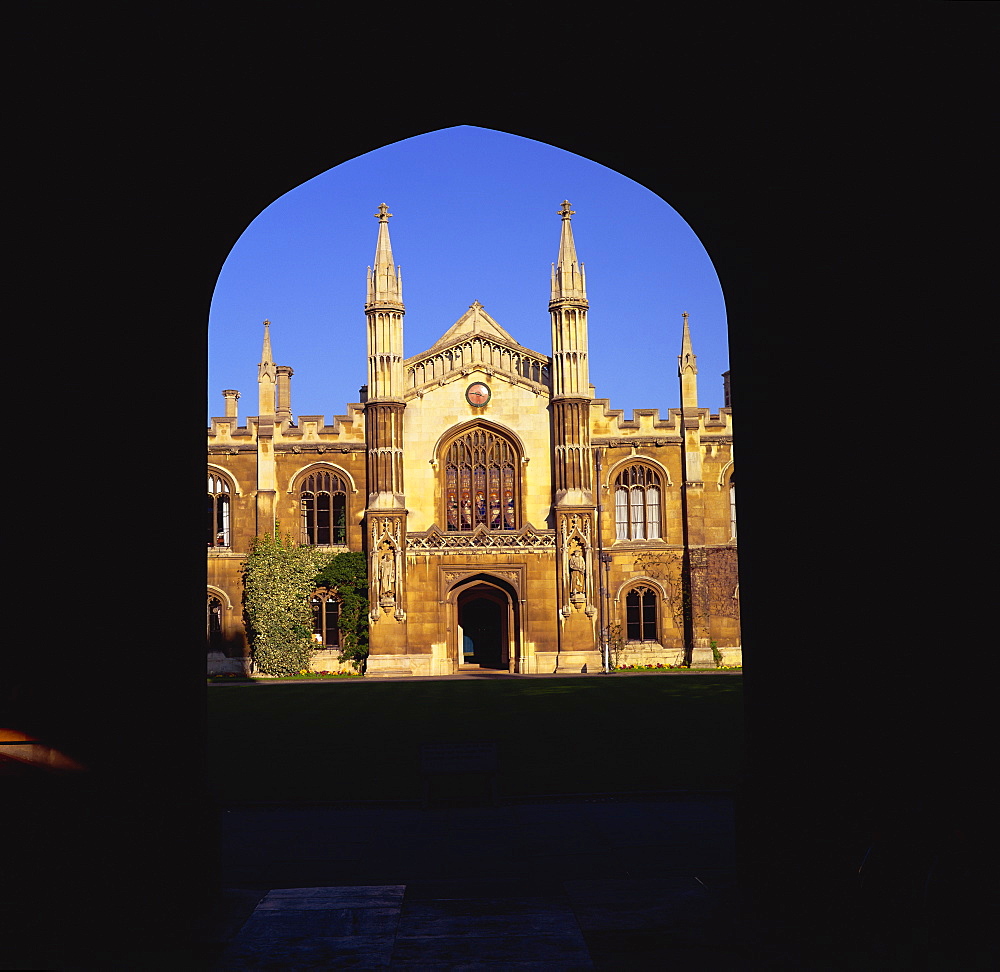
[540, 532]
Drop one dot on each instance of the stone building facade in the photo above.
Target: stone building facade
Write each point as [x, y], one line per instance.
[511, 519]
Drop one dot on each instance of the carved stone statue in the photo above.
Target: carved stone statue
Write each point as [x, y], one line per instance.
[387, 573]
[577, 572]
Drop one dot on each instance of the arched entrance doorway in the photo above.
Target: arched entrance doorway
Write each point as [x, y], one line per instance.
[486, 626]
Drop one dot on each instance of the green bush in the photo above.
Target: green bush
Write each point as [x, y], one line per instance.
[279, 575]
[347, 574]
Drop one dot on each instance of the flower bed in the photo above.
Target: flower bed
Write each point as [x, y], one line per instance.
[650, 668]
[675, 668]
[301, 675]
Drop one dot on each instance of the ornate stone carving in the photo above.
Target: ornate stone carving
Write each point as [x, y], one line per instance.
[575, 543]
[433, 541]
[577, 572]
[386, 567]
[387, 576]
[454, 575]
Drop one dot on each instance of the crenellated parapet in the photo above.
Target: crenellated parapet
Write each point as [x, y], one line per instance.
[311, 430]
[606, 421]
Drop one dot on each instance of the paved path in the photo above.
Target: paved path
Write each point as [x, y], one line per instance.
[604, 884]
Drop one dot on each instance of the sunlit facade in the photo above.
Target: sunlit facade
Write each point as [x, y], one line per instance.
[512, 520]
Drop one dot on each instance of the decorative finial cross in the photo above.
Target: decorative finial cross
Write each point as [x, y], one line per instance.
[685, 315]
[566, 212]
[383, 213]
[267, 323]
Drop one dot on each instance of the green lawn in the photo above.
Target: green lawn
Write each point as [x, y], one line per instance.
[353, 740]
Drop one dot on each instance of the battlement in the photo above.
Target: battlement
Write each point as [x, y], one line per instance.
[310, 428]
[605, 421]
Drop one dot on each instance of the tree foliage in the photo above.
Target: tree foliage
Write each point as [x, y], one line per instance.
[347, 574]
[278, 579]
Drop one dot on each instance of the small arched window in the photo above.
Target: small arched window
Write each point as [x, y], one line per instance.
[326, 619]
[323, 509]
[218, 511]
[637, 504]
[481, 482]
[213, 622]
[640, 615]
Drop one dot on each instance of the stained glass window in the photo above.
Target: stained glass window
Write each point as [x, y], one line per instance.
[480, 482]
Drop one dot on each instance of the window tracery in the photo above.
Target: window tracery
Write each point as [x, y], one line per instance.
[481, 482]
[637, 504]
[323, 509]
[218, 511]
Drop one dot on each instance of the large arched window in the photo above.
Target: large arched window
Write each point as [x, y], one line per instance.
[637, 504]
[640, 615]
[326, 619]
[323, 509]
[218, 512]
[481, 482]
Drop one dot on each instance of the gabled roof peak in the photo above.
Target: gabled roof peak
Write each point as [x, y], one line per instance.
[474, 321]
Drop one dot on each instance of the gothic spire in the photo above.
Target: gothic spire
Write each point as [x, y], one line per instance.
[687, 368]
[568, 279]
[266, 366]
[385, 283]
[267, 375]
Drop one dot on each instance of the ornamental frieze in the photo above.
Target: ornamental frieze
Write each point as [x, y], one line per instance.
[480, 540]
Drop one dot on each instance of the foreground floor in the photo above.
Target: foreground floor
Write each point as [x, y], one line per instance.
[468, 925]
[559, 885]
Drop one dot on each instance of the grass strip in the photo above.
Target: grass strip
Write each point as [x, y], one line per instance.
[349, 740]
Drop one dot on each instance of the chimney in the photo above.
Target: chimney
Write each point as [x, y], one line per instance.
[284, 409]
[231, 395]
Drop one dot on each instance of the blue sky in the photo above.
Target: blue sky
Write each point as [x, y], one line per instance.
[475, 218]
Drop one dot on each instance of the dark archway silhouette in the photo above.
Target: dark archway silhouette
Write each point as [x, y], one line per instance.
[486, 624]
[482, 621]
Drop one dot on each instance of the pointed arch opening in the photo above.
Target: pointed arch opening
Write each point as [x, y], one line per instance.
[485, 625]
